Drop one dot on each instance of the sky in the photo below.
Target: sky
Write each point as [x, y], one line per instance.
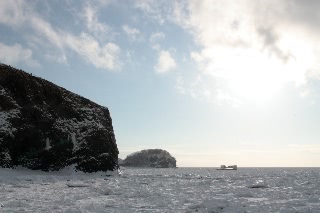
[211, 81]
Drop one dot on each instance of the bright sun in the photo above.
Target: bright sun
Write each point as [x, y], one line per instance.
[255, 76]
[257, 80]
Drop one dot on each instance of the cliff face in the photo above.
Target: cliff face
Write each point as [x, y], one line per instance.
[44, 126]
[156, 158]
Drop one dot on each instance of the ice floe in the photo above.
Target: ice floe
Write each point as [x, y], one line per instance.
[161, 190]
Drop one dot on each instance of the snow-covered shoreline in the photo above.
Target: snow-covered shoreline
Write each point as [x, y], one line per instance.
[162, 190]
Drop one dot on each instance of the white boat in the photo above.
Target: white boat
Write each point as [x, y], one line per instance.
[224, 167]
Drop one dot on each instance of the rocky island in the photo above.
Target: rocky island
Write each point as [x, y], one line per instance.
[154, 158]
[46, 127]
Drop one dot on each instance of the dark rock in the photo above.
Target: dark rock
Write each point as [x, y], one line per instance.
[156, 158]
[43, 126]
[258, 186]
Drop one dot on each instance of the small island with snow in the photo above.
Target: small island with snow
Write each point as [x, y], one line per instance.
[150, 158]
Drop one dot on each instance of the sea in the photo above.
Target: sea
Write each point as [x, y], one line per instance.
[162, 190]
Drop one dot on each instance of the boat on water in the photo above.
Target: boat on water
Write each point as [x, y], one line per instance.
[224, 167]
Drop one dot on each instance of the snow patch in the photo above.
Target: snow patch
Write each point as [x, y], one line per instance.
[75, 143]
[48, 146]
[105, 155]
[5, 125]
[2, 91]
[78, 129]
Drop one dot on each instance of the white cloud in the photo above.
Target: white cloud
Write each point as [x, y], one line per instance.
[47, 32]
[156, 36]
[59, 43]
[165, 62]
[313, 73]
[256, 47]
[133, 33]
[92, 21]
[156, 47]
[224, 98]
[61, 59]
[180, 85]
[194, 86]
[130, 31]
[14, 13]
[17, 54]
[100, 30]
[152, 8]
[104, 57]
[179, 13]
[196, 57]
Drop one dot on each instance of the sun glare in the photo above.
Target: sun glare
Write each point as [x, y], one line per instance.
[258, 73]
[257, 80]
[257, 76]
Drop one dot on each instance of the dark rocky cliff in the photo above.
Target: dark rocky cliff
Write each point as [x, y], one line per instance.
[44, 126]
[154, 158]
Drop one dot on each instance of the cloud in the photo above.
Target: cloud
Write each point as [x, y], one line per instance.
[59, 43]
[47, 32]
[130, 31]
[180, 85]
[270, 40]
[153, 9]
[180, 13]
[100, 30]
[196, 87]
[133, 33]
[303, 13]
[252, 45]
[13, 13]
[165, 62]
[222, 98]
[104, 57]
[61, 59]
[156, 36]
[17, 54]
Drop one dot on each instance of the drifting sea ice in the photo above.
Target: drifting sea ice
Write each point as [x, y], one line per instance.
[162, 190]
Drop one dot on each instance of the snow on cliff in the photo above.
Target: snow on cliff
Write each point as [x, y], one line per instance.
[44, 126]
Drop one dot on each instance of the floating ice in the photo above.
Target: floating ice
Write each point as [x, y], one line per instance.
[161, 190]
